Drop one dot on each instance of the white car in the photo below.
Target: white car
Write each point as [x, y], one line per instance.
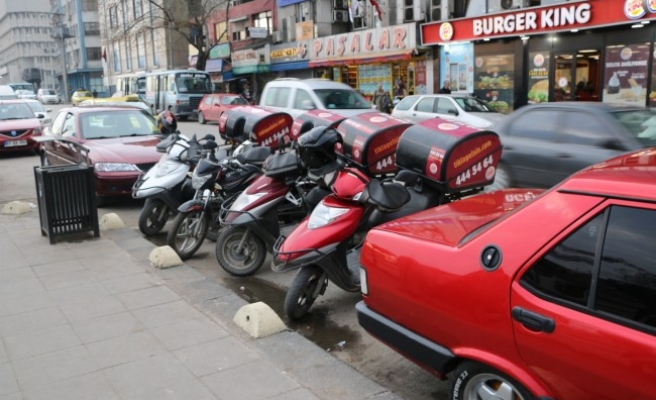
[48, 96]
[43, 114]
[297, 96]
[25, 94]
[462, 108]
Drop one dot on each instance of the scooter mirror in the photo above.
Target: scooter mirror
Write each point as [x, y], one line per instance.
[209, 136]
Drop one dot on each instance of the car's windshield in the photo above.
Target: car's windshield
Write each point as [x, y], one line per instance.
[233, 100]
[49, 91]
[471, 104]
[36, 106]
[640, 123]
[15, 111]
[343, 99]
[113, 124]
[193, 83]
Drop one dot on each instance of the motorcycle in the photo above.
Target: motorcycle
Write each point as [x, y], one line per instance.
[214, 182]
[167, 185]
[438, 163]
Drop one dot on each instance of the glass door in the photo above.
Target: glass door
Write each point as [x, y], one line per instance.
[563, 85]
[577, 76]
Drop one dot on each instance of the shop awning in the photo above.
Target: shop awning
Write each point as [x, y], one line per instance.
[289, 66]
[400, 55]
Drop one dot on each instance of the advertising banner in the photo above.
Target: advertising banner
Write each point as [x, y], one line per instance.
[538, 77]
[626, 74]
[493, 80]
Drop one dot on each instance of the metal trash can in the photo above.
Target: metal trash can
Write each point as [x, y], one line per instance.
[67, 200]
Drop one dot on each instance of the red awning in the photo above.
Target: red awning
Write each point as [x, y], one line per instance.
[401, 55]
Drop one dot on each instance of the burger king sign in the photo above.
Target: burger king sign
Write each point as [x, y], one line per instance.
[446, 31]
[634, 9]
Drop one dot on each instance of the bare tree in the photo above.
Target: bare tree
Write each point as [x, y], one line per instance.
[189, 19]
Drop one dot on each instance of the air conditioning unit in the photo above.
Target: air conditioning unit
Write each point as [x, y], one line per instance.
[340, 16]
[436, 14]
[511, 4]
[277, 37]
[339, 4]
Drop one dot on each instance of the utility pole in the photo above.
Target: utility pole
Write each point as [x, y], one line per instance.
[61, 32]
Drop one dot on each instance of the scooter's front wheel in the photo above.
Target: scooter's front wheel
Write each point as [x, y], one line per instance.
[309, 283]
[188, 233]
[239, 251]
[153, 217]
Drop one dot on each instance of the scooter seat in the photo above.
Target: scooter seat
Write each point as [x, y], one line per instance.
[255, 155]
[387, 196]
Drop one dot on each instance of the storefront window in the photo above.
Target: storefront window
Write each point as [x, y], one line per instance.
[369, 76]
[625, 75]
[538, 77]
[493, 81]
[457, 67]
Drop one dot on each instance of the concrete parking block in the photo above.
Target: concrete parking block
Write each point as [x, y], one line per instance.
[166, 314]
[238, 383]
[297, 394]
[7, 379]
[91, 307]
[147, 375]
[130, 283]
[147, 297]
[124, 349]
[189, 333]
[31, 321]
[89, 386]
[40, 342]
[184, 391]
[10, 305]
[215, 356]
[109, 326]
[52, 367]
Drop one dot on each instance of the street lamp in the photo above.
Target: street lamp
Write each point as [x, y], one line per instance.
[62, 32]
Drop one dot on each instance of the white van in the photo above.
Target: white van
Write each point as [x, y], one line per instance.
[7, 93]
[297, 96]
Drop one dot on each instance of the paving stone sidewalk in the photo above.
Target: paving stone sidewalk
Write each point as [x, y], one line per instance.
[92, 319]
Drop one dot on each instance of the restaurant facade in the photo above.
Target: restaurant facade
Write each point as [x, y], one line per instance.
[595, 50]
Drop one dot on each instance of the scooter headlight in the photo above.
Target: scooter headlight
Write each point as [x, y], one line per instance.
[323, 215]
[244, 199]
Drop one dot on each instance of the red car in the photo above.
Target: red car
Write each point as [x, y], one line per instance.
[121, 140]
[18, 126]
[213, 105]
[552, 297]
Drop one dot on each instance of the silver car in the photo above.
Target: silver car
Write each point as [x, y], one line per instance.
[461, 108]
[48, 96]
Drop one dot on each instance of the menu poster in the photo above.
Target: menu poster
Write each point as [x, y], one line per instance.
[420, 77]
[625, 74]
[538, 77]
[457, 66]
[493, 80]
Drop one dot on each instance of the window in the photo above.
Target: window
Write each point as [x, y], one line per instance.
[303, 100]
[566, 271]
[138, 8]
[627, 276]
[68, 130]
[113, 19]
[141, 51]
[538, 125]
[57, 124]
[94, 53]
[425, 105]
[277, 97]
[263, 20]
[406, 103]
[221, 32]
[128, 55]
[124, 14]
[582, 128]
[117, 58]
[89, 5]
[208, 100]
[445, 105]
[91, 28]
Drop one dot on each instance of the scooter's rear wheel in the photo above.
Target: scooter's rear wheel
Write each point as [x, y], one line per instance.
[239, 251]
[188, 233]
[306, 287]
[153, 217]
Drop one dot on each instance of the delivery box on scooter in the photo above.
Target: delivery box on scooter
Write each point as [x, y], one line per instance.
[261, 125]
[314, 118]
[454, 155]
[370, 141]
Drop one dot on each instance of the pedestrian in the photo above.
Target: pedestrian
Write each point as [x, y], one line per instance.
[378, 98]
[400, 88]
[446, 89]
[95, 93]
[386, 103]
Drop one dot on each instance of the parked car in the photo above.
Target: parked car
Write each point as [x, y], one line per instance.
[213, 105]
[25, 94]
[121, 140]
[48, 96]
[79, 96]
[297, 96]
[545, 143]
[18, 126]
[525, 297]
[39, 111]
[462, 108]
[7, 93]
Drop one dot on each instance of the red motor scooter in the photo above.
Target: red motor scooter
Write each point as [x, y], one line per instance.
[439, 162]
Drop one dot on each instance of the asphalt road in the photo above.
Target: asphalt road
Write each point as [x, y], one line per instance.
[332, 324]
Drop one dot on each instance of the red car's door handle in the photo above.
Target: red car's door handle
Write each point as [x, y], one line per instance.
[532, 321]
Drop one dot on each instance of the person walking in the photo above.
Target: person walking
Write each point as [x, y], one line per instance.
[95, 93]
[446, 89]
[386, 103]
[378, 98]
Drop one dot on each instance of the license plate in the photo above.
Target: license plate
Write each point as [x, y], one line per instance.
[15, 143]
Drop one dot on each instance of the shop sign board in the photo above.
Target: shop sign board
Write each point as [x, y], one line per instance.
[304, 30]
[626, 69]
[368, 43]
[257, 32]
[562, 17]
[252, 57]
[289, 52]
[221, 50]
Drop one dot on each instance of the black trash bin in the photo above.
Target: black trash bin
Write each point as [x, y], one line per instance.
[66, 200]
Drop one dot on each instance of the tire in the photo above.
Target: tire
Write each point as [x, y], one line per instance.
[188, 233]
[502, 179]
[201, 118]
[472, 378]
[239, 263]
[300, 295]
[153, 217]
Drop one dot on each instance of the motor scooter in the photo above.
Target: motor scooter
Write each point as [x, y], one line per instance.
[439, 162]
[214, 181]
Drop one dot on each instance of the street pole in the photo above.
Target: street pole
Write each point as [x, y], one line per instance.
[65, 71]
